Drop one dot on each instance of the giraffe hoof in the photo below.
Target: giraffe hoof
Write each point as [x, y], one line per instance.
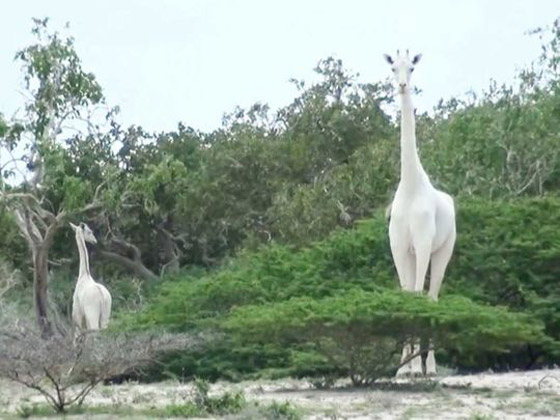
[408, 373]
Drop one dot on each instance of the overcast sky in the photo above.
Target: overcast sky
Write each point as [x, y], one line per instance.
[165, 61]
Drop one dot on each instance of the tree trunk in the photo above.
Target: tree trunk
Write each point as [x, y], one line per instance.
[40, 290]
[170, 251]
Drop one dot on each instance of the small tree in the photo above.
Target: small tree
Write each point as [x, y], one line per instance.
[62, 98]
[362, 333]
[65, 370]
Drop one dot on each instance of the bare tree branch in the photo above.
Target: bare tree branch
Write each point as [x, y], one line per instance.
[29, 230]
[53, 228]
[8, 279]
[135, 265]
[65, 370]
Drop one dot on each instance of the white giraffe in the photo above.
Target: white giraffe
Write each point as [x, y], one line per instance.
[91, 305]
[422, 226]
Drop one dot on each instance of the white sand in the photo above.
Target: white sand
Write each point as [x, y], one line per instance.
[514, 395]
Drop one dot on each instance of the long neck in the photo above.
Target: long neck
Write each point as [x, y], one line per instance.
[411, 168]
[84, 261]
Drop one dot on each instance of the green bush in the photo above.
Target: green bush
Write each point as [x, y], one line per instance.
[227, 403]
[507, 254]
[280, 411]
[347, 259]
[362, 333]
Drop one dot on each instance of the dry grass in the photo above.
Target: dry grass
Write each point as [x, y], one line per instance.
[505, 396]
[65, 368]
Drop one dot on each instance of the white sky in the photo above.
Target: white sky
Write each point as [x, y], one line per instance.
[165, 61]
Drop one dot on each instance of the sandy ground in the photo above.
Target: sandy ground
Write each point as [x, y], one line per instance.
[514, 395]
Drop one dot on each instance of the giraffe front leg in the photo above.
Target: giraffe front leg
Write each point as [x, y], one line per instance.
[406, 368]
[78, 321]
[423, 252]
[431, 362]
[412, 367]
[439, 262]
[416, 363]
[423, 231]
[77, 315]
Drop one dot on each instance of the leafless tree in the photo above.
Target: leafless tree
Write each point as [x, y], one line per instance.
[65, 369]
[8, 279]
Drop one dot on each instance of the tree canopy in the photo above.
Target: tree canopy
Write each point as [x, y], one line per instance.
[285, 207]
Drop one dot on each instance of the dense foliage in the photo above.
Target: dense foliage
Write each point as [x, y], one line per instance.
[508, 256]
[282, 211]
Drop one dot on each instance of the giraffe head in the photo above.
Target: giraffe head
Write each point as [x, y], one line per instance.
[402, 67]
[85, 231]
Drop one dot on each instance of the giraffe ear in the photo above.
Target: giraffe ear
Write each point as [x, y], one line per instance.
[388, 58]
[416, 58]
[73, 226]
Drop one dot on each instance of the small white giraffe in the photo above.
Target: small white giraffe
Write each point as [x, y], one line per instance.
[91, 306]
[422, 226]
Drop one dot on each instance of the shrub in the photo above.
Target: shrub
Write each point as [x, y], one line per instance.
[507, 254]
[64, 369]
[227, 403]
[280, 411]
[362, 333]
[348, 259]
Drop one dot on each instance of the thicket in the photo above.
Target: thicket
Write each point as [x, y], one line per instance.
[183, 198]
[65, 368]
[276, 206]
[508, 257]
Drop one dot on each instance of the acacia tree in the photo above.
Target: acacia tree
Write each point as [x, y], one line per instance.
[46, 188]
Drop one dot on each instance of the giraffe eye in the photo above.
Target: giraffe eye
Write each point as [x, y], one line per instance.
[411, 69]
